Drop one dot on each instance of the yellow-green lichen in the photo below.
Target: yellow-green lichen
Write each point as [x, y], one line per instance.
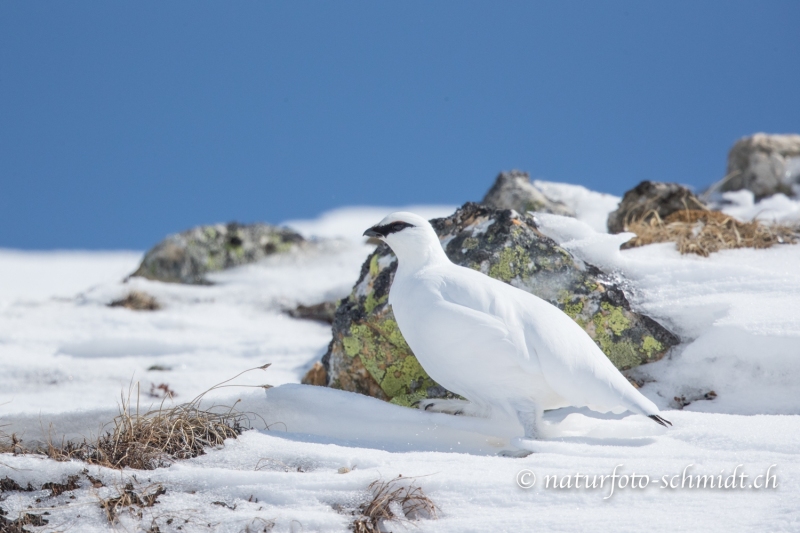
[469, 243]
[623, 354]
[351, 345]
[281, 246]
[511, 262]
[398, 377]
[574, 309]
[385, 355]
[615, 320]
[609, 321]
[370, 302]
[533, 206]
[374, 268]
[214, 262]
[651, 346]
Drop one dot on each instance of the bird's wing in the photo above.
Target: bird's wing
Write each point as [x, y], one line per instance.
[555, 346]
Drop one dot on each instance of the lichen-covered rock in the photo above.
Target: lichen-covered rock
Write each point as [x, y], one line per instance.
[514, 190]
[188, 256]
[765, 164]
[368, 353]
[649, 198]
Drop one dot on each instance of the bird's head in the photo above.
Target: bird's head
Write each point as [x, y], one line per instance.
[410, 236]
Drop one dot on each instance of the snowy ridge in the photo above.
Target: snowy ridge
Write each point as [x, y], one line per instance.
[65, 358]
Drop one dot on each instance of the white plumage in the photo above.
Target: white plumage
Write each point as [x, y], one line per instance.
[498, 346]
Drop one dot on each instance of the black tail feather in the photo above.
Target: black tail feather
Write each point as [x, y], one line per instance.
[660, 420]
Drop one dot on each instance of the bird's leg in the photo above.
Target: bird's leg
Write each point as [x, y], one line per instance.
[531, 422]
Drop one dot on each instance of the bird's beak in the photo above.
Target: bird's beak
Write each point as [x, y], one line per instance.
[371, 232]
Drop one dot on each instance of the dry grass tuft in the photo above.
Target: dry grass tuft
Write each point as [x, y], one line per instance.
[393, 500]
[158, 437]
[137, 301]
[128, 498]
[704, 232]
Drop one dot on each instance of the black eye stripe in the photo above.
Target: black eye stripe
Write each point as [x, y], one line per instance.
[394, 227]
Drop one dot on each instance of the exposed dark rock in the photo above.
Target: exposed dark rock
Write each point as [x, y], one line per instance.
[368, 354]
[323, 312]
[514, 190]
[765, 164]
[188, 256]
[650, 199]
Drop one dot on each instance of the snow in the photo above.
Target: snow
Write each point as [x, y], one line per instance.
[777, 208]
[65, 359]
[589, 206]
[737, 312]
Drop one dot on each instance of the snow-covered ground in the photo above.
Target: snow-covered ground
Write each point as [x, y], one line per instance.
[65, 358]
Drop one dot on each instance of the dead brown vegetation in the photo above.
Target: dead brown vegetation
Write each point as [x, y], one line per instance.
[9, 485]
[18, 525]
[157, 437]
[137, 301]
[396, 499]
[56, 489]
[128, 498]
[704, 232]
[161, 390]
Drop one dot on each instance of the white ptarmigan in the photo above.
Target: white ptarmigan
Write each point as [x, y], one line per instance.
[497, 346]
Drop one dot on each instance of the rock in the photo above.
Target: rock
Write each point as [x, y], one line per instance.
[137, 301]
[514, 190]
[322, 312]
[649, 198]
[369, 355]
[765, 164]
[188, 256]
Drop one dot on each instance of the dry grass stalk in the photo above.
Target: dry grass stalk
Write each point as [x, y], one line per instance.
[393, 500]
[704, 232]
[128, 497]
[158, 437]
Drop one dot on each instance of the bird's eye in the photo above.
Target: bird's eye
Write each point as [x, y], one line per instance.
[397, 226]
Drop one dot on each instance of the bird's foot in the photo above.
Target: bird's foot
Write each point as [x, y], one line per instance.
[517, 454]
[526, 444]
[451, 407]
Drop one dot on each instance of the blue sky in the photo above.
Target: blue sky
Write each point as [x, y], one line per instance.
[121, 122]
